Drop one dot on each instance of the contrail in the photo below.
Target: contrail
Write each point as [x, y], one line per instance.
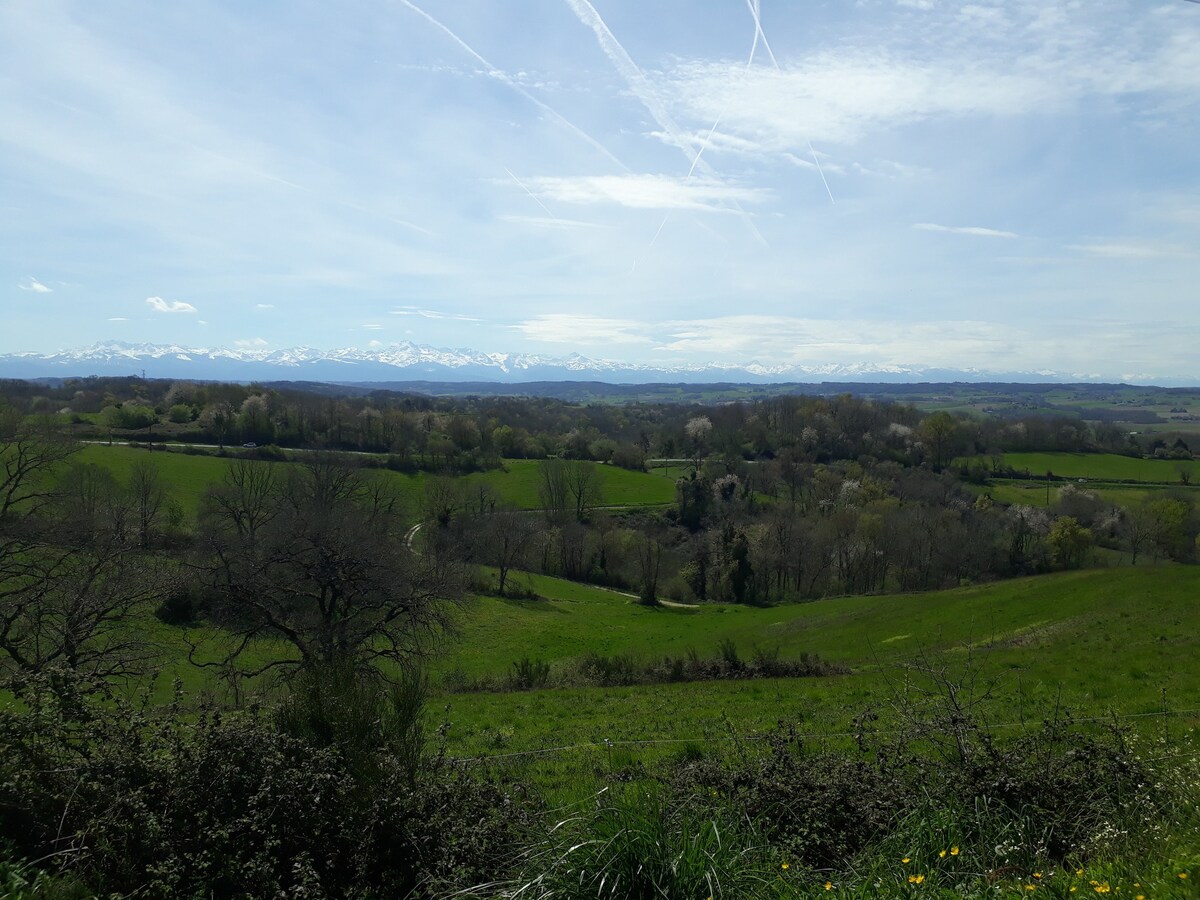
[705, 143]
[756, 12]
[822, 171]
[641, 89]
[534, 197]
[500, 75]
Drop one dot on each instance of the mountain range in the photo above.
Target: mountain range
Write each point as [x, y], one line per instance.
[407, 361]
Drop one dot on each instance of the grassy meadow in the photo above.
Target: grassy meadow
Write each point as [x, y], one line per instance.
[1098, 640]
[187, 476]
[1103, 466]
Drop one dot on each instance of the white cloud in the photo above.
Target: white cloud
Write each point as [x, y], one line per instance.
[647, 192]
[264, 305]
[964, 66]
[973, 230]
[250, 343]
[118, 319]
[374, 343]
[158, 304]
[32, 284]
[372, 326]
[565, 328]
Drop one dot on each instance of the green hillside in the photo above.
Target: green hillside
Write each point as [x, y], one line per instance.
[1104, 639]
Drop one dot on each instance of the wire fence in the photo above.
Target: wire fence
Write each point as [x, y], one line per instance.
[607, 744]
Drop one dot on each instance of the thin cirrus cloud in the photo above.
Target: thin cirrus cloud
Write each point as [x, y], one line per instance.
[1134, 251]
[646, 192]
[973, 230]
[159, 305]
[33, 285]
[432, 314]
[876, 81]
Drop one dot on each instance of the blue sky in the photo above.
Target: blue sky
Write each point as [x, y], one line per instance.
[997, 185]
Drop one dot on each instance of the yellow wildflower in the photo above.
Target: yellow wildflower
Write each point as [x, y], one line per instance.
[915, 879]
[1183, 875]
[1031, 887]
[785, 867]
[906, 860]
[954, 851]
[829, 885]
[942, 854]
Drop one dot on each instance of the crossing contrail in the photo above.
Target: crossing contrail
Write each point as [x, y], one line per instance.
[756, 12]
[641, 88]
[706, 141]
[500, 75]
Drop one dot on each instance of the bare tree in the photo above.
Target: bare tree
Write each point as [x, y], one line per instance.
[583, 487]
[69, 582]
[244, 501]
[74, 609]
[148, 496]
[328, 573]
[553, 488]
[650, 544]
[505, 538]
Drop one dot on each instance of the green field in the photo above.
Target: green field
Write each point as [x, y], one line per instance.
[1033, 493]
[517, 485]
[1104, 639]
[1103, 466]
[187, 477]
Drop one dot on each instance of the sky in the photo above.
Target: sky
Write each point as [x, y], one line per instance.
[1005, 186]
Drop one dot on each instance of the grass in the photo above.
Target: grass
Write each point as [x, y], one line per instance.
[188, 476]
[1033, 493]
[1103, 466]
[1103, 639]
[517, 485]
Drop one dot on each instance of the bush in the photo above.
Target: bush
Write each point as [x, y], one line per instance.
[529, 674]
[233, 805]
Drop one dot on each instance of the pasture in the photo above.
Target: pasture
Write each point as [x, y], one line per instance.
[187, 477]
[1097, 641]
[1103, 467]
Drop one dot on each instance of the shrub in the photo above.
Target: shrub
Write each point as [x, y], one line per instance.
[233, 805]
[529, 674]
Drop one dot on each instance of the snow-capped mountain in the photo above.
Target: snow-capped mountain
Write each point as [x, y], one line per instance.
[407, 361]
